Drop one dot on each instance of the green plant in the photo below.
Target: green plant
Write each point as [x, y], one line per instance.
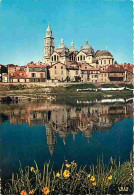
[99, 179]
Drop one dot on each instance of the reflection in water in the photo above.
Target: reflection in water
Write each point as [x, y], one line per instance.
[64, 120]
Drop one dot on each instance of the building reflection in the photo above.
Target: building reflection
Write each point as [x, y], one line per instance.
[65, 120]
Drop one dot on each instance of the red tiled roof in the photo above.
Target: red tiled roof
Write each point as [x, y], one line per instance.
[104, 71]
[19, 74]
[129, 67]
[36, 66]
[116, 68]
[91, 69]
[115, 75]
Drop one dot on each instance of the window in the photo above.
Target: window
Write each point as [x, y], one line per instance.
[61, 67]
[41, 75]
[52, 58]
[109, 61]
[83, 57]
[85, 67]
[104, 61]
[55, 67]
[80, 57]
[33, 75]
[34, 115]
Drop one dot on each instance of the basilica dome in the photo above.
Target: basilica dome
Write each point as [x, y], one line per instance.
[88, 48]
[72, 49]
[62, 47]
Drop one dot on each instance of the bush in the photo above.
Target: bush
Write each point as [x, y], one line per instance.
[126, 85]
[17, 87]
[108, 85]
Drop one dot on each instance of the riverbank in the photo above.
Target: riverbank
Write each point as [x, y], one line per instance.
[68, 92]
[113, 178]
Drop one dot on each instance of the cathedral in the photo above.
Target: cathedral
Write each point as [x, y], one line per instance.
[63, 64]
[72, 65]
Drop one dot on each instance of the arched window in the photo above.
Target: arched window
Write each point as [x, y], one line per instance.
[52, 58]
[80, 57]
[109, 61]
[83, 57]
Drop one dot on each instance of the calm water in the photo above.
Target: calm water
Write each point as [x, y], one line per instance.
[48, 131]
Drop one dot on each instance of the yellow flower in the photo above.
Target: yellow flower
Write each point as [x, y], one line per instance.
[45, 190]
[66, 173]
[94, 183]
[32, 168]
[23, 193]
[68, 165]
[88, 175]
[31, 192]
[73, 163]
[110, 177]
[92, 178]
[58, 174]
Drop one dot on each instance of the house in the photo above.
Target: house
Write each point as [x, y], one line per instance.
[59, 72]
[129, 68]
[19, 76]
[116, 73]
[36, 72]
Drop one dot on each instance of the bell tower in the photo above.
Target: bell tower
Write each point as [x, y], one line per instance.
[48, 45]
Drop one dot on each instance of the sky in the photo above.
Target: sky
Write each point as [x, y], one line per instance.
[104, 23]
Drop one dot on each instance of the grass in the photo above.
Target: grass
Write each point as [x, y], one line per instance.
[100, 179]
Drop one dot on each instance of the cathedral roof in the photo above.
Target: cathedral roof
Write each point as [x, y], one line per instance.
[72, 49]
[62, 47]
[88, 48]
[103, 53]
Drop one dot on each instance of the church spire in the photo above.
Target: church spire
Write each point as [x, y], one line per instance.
[48, 31]
[49, 45]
